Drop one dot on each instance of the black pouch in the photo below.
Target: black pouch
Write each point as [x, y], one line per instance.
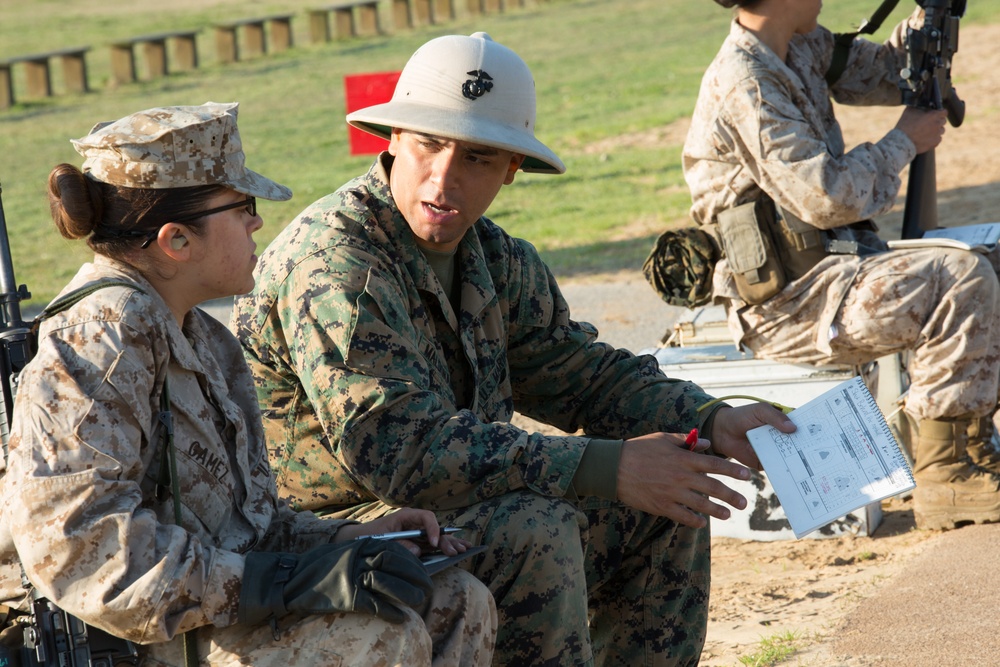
[750, 249]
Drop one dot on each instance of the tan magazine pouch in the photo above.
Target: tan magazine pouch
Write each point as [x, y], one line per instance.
[750, 249]
[800, 245]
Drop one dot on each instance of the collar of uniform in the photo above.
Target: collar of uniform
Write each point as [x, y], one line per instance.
[760, 55]
[394, 225]
[180, 340]
[398, 230]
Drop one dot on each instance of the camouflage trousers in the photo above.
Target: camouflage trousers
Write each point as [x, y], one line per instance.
[942, 305]
[589, 583]
[456, 629]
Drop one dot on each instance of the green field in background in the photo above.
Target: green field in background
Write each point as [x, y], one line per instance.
[609, 75]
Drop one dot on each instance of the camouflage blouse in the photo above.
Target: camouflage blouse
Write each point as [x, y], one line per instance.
[766, 125]
[79, 501]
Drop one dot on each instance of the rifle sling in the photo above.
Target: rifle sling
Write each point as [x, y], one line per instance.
[168, 459]
[842, 41]
[168, 475]
[67, 300]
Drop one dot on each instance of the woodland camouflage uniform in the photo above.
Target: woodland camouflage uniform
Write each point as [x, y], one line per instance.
[378, 394]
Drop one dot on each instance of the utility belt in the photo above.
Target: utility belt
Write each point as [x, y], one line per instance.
[768, 247]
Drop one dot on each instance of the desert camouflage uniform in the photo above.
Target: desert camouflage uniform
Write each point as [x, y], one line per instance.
[379, 395]
[80, 508]
[763, 125]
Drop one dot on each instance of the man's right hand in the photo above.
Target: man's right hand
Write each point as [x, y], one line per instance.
[658, 474]
[924, 127]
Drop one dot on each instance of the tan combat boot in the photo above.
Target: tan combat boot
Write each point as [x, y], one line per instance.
[950, 490]
[982, 446]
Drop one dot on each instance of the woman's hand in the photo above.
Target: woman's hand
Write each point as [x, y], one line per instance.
[408, 518]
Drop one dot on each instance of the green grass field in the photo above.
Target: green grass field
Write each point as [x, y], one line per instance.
[609, 75]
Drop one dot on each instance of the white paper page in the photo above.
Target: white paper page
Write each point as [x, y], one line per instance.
[935, 242]
[986, 233]
[842, 457]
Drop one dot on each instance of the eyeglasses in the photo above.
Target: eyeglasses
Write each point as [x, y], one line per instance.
[250, 203]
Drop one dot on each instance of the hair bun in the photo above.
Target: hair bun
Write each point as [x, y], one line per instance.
[72, 202]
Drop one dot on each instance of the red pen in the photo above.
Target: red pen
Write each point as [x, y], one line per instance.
[692, 439]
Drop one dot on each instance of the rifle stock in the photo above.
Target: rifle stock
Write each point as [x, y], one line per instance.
[920, 212]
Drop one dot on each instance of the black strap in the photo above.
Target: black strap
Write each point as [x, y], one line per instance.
[67, 300]
[842, 41]
[168, 459]
[166, 479]
[169, 454]
[168, 482]
[844, 247]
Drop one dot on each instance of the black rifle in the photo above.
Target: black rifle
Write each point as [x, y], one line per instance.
[57, 639]
[16, 347]
[926, 84]
[52, 638]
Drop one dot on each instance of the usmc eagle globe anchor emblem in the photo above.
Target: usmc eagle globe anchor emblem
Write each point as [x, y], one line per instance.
[474, 89]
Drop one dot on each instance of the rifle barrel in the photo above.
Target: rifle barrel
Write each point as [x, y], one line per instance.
[10, 300]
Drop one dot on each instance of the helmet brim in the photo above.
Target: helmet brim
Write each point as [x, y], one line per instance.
[380, 119]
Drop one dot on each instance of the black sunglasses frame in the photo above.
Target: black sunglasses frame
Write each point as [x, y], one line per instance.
[250, 203]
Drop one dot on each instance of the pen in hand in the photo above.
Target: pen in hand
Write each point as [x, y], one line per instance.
[407, 534]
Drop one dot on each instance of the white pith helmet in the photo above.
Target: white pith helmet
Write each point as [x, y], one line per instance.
[468, 89]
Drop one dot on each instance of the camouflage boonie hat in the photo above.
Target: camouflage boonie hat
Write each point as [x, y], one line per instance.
[174, 147]
[467, 89]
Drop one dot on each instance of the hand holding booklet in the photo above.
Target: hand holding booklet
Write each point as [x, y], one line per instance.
[435, 562]
[842, 457]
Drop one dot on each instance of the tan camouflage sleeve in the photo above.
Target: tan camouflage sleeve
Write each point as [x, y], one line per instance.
[872, 73]
[795, 163]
